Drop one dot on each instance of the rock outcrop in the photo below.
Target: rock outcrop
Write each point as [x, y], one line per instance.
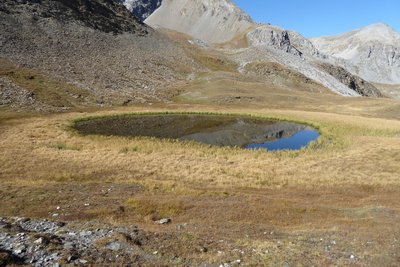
[272, 37]
[43, 243]
[356, 83]
[304, 45]
[141, 9]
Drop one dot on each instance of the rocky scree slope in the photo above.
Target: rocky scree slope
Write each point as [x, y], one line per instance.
[96, 46]
[372, 52]
[272, 44]
[101, 15]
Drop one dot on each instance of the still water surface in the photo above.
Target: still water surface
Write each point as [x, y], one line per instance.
[295, 142]
[217, 130]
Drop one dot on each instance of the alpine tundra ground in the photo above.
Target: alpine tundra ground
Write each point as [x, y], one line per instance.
[334, 203]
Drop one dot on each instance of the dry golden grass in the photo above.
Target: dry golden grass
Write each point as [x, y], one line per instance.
[237, 93]
[343, 187]
[213, 62]
[208, 59]
[349, 153]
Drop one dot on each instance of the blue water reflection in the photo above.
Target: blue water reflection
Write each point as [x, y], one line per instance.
[295, 142]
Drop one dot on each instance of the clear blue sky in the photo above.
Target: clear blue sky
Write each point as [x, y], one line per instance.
[313, 18]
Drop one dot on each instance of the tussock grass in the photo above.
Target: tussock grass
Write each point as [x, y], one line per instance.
[63, 146]
[345, 142]
[127, 150]
[345, 182]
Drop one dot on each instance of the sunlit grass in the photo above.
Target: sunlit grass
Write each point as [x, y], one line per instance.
[344, 141]
[351, 168]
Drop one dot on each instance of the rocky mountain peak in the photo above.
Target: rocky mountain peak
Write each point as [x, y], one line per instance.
[141, 9]
[372, 52]
[213, 21]
[379, 32]
[222, 22]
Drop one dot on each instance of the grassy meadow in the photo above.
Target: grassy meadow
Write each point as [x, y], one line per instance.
[339, 193]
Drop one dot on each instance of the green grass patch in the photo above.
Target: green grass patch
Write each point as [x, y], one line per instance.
[127, 150]
[63, 146]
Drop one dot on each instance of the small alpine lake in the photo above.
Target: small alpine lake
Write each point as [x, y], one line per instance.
[217, 130]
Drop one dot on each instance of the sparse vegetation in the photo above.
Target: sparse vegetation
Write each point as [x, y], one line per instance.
[299, 196]
[44, 89]
[127, 150]
[151, 208]
[63, 146]
[214, 62]
[302, 194]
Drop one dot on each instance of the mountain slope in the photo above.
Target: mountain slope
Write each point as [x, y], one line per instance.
[58, 55]
[102, 15]
[95, 47]
[372, 52]
[222, 22]
[214, 21]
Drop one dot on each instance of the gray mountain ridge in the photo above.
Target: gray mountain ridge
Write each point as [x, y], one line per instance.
[221, 21]
[372, 52]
